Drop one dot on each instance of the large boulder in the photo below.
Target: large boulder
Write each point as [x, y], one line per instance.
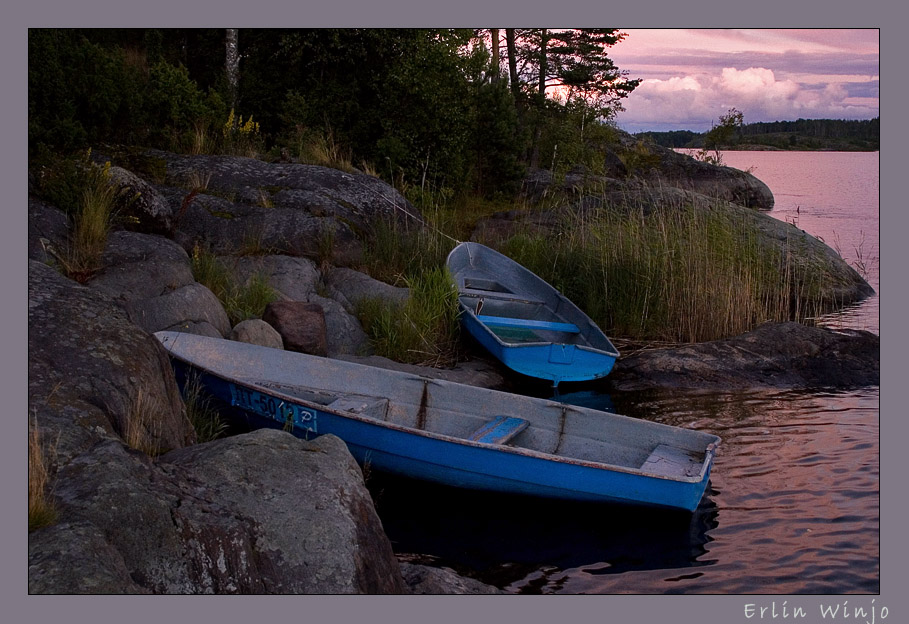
[350, 288]
[297, 514]
[223, 517]
[301, 325]
[775, 355]
[140, 206]
[141, 266]
[286, 208]
[90, 366]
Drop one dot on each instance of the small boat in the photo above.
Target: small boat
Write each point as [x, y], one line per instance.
[450, 433]
[524, 322]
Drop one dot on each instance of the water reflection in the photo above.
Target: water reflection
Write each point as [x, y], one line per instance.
[523, 543]
[792, 507]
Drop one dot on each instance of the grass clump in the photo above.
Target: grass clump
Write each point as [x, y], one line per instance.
[85, 192]
[41, 509]
[205, 419]
[423, 329]
[241, 301]
[142, 430]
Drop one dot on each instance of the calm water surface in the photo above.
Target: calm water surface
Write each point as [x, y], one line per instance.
[793, 502]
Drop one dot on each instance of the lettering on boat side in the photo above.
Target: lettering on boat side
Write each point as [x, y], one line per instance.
[273, 408]
[860, 614]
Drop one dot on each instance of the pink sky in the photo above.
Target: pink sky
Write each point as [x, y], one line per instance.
[691, 77]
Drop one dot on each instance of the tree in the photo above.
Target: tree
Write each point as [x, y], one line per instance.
[721, 135]
[574, 63]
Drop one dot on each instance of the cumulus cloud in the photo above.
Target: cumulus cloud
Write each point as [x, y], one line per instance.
[695, 102]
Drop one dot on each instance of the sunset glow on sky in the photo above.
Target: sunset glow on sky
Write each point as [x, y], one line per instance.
[690, 77]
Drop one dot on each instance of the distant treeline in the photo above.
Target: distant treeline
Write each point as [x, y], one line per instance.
[802, 134]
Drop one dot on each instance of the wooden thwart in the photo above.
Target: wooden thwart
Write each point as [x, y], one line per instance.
[499, 430]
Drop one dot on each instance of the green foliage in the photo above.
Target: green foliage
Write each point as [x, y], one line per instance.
[241, 301]
[498, 141]
[424, 329]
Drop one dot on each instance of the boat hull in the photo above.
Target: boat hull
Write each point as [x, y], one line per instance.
[452, 462]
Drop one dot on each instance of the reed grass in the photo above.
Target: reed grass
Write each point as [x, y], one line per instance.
[41, 509]
[682, 274]
[324, 150]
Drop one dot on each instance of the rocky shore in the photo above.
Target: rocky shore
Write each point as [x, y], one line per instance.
[143, 508]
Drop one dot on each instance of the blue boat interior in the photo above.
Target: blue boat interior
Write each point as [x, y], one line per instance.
[616, 443]
[516, 317]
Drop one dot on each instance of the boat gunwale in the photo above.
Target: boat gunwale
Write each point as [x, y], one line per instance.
[709, 451]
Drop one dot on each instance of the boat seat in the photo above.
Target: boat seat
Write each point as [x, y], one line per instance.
[504, 321]
[671, 462]
[499, 296]
[499, 430]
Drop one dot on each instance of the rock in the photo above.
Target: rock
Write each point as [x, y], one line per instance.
[89, 365]
[350, 287]
[344, 334]
[298, 279]
[185, 309]
[301, 325]
[293, 279]
[48, 228]
[76, 558]
[423, 579]
[286, 208]
[258, 332]
[228, 228]
[139, 204]
[224, 517]
[775, 355]
[280, 515]
[138, 266]
[321, 191]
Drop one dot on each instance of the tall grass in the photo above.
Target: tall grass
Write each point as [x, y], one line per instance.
[421, 330]
[241, 301]
[41, 509]
[142, 429]
[680, 274]
[205, 419]
[91, 224]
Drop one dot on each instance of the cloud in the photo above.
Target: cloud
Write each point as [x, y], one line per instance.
[691, 77]
[695, 102]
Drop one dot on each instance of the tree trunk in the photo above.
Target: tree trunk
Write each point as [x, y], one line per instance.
[494, 33]
[232, 64]
[512, 62]
[544, 39]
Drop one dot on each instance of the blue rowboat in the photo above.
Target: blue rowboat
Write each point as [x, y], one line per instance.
[524, 322]
[450, 433]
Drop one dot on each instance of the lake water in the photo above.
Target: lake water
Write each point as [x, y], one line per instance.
[793, 503]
